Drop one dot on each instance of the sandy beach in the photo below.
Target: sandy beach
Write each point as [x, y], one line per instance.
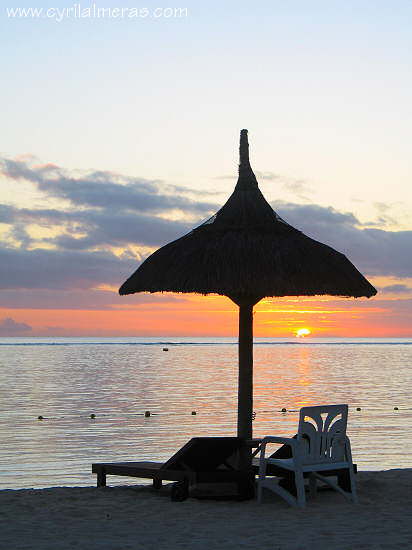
[140, 518]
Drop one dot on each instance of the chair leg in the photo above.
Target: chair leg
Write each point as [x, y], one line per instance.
[353, 486]
[351, 472]
[300, 488]
[259, 494]
[261, 479]
[312, 486]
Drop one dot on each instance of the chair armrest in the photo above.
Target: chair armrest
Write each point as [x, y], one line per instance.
[276, 439]
[273, 439]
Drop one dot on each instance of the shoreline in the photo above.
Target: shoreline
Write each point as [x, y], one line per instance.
[138, 517]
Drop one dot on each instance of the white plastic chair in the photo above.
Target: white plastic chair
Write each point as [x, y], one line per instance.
[321, 445]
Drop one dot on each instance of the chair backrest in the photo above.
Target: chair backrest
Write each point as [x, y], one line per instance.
[322, 433]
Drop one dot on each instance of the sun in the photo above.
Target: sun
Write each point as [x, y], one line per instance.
[302, 332]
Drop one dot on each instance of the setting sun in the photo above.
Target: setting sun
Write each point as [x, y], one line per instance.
[302, 332]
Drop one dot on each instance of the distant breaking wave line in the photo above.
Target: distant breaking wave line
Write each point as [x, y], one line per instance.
[176, 344]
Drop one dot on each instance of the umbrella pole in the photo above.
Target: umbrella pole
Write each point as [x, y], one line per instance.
[245, 388]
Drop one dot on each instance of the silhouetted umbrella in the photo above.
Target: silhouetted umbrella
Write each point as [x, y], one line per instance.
[247, 252]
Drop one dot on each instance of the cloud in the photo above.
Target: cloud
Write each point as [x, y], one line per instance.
[46, 217]
[298, 186]
[99, 209]
[99, 189]
[9, 327]
[61, 279]
[375, 252]
[82, 299]
[76, 264]
[64, 266]
[396, 289]
[313, 217]
[117, 229]
[61, 269]
[87, 229]
[383, 210]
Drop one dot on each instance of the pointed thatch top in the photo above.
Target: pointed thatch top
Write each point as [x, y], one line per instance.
[246, 176]
[246, 251]
[246, 208]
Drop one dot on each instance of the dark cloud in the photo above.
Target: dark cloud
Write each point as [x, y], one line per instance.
[80, 299]
[104, 210]
[379, 252]
[62, 270]
[117, 229]
[396, 289]
[375, 252]
[51, 279]
[46, 217]
[105, 190]
[20, 234]
[307, 217]
[101, 227]
[10, 327]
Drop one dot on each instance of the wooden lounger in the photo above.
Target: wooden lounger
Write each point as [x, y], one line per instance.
[203, 460]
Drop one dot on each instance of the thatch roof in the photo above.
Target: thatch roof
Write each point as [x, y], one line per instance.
[247, 250]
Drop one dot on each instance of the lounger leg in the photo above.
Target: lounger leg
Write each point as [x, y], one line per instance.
[180, 491]
[101, 478]
[246, 488]
[157, 483]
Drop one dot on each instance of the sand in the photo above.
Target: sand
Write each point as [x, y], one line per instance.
[137, 517]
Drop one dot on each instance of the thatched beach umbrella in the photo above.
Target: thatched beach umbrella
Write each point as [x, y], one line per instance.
[247, 252]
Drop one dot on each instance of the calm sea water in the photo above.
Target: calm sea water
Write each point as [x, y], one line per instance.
[66, 380]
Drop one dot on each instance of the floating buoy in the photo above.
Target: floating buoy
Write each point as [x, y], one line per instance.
[358, 409]
[193, 412]
[395, 409]
[147, 414]
[165, 349]
[92, 416]
[40, 417]
[284, 410]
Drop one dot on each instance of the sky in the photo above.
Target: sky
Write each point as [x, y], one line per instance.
[120, 132]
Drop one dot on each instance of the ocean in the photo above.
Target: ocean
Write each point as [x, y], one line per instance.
[93, 393]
